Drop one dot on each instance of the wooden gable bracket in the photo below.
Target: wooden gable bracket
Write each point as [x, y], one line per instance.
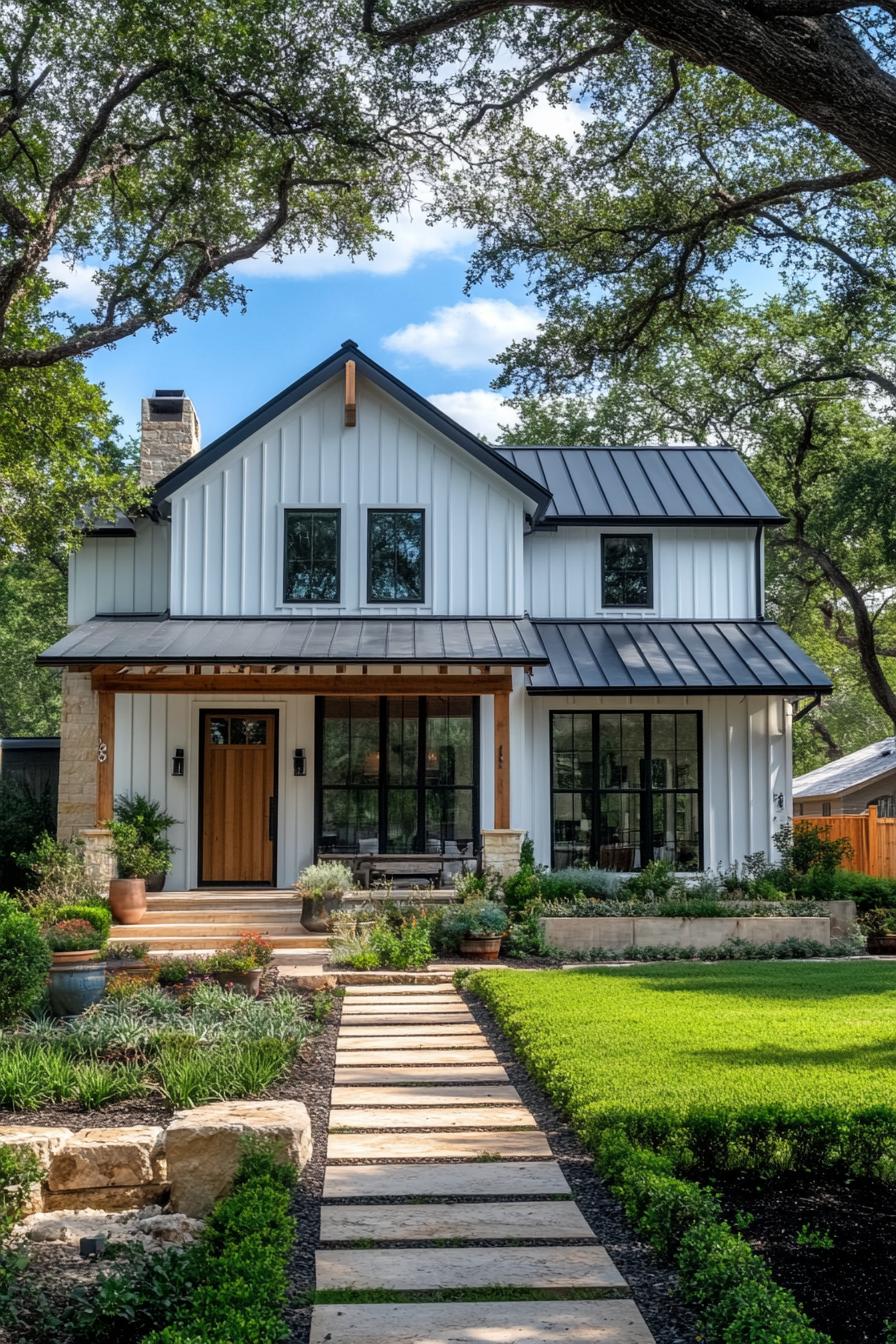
[351, 403]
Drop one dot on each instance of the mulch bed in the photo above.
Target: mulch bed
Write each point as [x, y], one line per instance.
[849, 1289]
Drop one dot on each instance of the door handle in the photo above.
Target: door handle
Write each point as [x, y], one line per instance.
[272, 817]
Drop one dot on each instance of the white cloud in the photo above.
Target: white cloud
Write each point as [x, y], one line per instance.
[413, 240]
[480, 411]
[465, 335]
[80, 287]
[549, 119]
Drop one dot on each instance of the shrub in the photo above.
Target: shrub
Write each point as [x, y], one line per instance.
[324, 881]
[58, 875]
[19, 1169]
[136, 858]
[25, 815]
[150, 823]
[128, 952]
[483, 886]
[809, 849]
[394, 939]
[73, 935]
[98, 916]
[24, 963]
[472, 919]
[179, 970]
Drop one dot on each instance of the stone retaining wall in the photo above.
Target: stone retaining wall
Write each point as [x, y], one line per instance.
[192, 1161]
[614, 933]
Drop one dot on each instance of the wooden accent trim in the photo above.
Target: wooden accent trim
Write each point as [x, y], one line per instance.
[105, 756]
[502, 760]
[299, 684]
[351, 404]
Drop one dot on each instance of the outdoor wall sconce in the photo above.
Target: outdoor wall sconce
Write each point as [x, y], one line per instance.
[298, 761]
[177, 762]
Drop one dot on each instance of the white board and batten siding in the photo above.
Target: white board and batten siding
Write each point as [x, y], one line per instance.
[747, 779]
[227, 523]
[120, 574]
[699, 573]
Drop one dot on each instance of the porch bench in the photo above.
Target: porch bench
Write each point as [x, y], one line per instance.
[428, 868]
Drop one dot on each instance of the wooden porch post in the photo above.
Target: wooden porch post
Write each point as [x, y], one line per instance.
[502, 760]
[105, 756]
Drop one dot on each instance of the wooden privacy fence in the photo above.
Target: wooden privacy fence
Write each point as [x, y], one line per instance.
[873, 839]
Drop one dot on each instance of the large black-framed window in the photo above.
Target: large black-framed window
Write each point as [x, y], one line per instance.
[397, 775]
[627, 788]
[311, 544]
[626, 570]
[396, 555]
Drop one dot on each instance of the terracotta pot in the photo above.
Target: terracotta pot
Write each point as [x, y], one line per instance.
[316, 915]
[155, 882]
[87, 958]
[127, 899]
[882, 944]
[72, 988]
[481, 947]
[243, 982]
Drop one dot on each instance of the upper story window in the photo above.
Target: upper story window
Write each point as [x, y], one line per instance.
[395, 555]
[311, 555]
[627, 571]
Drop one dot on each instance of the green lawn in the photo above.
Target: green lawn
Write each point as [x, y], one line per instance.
[677, 1038]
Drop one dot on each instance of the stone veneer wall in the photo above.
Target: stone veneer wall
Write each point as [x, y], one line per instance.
[501, 850]
[77, 756]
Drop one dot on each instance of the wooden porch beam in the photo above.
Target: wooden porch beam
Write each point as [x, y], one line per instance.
[105, 756]
[351, 404]
[345, 684]
[502, 760]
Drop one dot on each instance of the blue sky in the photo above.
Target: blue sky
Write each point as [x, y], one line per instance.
[405, 308]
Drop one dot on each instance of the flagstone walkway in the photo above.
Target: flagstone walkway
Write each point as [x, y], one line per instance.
[424, 1116]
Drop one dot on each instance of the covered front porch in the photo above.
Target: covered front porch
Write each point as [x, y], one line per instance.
[402, 768]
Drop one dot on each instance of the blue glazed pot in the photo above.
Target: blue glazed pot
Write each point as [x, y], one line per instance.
[73, 988]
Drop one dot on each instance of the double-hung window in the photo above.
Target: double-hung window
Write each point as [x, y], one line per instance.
[395, 555]
[626, 571]
[311, 540]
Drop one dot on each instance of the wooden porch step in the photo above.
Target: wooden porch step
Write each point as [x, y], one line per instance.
[277, 921]
[208, 940]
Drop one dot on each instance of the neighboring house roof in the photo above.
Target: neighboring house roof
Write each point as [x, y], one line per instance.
[376, 639]
[395, 388]
[646, 485]
[850, 772]
[709, 657]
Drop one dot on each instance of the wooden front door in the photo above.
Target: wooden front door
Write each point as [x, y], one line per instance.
[238, 796]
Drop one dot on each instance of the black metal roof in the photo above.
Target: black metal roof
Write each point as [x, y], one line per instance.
[377, 639]
[645, 485]
[709, 657]
[400, 391]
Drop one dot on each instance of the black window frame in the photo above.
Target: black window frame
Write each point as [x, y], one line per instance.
[646, 792]
[333, 511]
[626, 536]
[383, 786]
[386, 511]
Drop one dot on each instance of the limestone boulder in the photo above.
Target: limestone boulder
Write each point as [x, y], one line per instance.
[203, 1146]
[94, 1159]
[106, 1198]
[42, 1140]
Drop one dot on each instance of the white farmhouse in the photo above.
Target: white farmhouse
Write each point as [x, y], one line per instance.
[349, 627]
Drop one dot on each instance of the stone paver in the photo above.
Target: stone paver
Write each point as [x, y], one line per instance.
[399, 1058]
[365, 991]
[497, 1144]
[413, 1019]
[539, 1220]
[412, 1075]
[476, 1095]
[445, 996]
[613, 1322]
[424, 1031]
[487, 1180]
[387, 1041]
[432, 1117]
[407, 1007]
[417, 1269]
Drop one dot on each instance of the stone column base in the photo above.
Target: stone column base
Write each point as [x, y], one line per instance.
[501, 850]
[99, 860]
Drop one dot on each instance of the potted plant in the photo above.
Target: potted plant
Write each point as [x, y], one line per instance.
[77, 973]
[879, 927]
[151, 822]
[128, 959]
[322, 887]
[136, 861]
[242, 965]
[480, 926]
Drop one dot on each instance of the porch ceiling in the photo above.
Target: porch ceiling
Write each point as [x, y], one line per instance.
[298, 640]
[703, 657]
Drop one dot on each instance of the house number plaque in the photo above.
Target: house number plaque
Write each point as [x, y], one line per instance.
[102, 752]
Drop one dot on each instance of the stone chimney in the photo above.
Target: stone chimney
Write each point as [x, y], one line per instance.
[169, 434]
